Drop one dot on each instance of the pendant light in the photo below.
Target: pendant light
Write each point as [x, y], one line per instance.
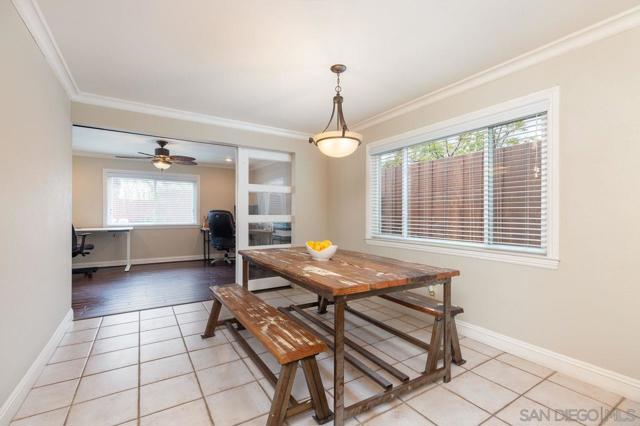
[340, 142]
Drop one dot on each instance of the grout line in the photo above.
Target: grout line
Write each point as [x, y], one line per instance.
[75, 392]
[194, 371]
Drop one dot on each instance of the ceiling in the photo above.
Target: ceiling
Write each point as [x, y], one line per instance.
[266, 62]
[87, 140]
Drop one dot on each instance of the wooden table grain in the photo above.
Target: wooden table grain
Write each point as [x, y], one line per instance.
[351, 275]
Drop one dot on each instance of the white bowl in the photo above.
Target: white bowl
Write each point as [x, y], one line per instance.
[323, 255]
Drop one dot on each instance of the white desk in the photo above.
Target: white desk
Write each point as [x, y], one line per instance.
[126, 229]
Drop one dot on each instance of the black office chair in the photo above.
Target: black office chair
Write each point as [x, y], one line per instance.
[222, 234]
[83, 249]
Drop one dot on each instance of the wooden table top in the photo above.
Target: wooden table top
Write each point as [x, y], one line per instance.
[348, 272]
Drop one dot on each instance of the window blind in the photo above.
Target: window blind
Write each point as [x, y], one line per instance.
[151, 200]
[484, 187]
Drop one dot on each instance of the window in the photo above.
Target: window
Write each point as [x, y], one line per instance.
[481, 183]
[134, 198]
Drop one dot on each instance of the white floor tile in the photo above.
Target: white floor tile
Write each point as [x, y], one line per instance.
[195, 342]
[75, 337]
[47, 398]
[224, 405]
[192, 316]
[164, 368]
[525, 365]
[587, 389]
[445, 408]
[158, 335]
[85, 324]
[562, 399]
[402, 415]
[524, 412]
[621, 418]
[160, 322]
[189, 414]
[118, 330]
[513, 378]
[224, 376]
[120, 318]
[156, 313]
[111, 361]
[60, 372]
[191, 328]
[209, 357]
[107, 411]
[490, 351]
[480, 391]
[161, 349]
[115, 343]
[168, 393]
[51, 418]
[190, 307]
[106, 383]
[67, 353]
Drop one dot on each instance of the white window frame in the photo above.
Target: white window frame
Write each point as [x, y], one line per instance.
[543, 101]
[150, 175]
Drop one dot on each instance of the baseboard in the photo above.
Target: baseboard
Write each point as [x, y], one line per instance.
[11, 406]
[598, 376]
[146, 261]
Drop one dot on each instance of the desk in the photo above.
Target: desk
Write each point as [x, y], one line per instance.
[350, 276]
[126, 229]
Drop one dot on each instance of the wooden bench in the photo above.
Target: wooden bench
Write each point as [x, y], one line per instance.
[434, 308]
[288, 341]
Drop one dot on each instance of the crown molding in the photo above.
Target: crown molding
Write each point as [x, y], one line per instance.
[609, 27]
[33, 19]
[122, 104]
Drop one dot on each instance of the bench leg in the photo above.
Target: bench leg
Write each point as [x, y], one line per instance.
[455, 344]
[281, 396]
[434, 346]
[322, 305]
[213, 319]
[316, 390]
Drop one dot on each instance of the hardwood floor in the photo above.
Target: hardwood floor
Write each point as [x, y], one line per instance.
[112, 291]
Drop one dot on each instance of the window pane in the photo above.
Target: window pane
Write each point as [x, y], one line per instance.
[519, 158]
[150, 201]
[446, 188]
[268, 233]
[390, 170]
[268, 172]
[269, 203]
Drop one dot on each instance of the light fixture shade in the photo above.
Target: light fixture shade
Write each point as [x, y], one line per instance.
[334, 144]
[161, 164]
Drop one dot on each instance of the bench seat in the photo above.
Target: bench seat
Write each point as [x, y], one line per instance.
[289, 342]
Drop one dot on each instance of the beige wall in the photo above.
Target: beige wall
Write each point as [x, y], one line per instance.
[35, 188]
[217, 191]
[589, 308]
[310, 167]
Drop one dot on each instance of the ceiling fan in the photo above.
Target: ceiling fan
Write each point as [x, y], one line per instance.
[162, 159]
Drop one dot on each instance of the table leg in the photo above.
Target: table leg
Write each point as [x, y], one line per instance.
[245, 273]
[338, 362]
[447, 329]
[128, 265]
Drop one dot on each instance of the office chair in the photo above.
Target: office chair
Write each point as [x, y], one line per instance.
[222, 234]
[83, 249]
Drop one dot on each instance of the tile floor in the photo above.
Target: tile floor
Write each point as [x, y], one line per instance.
[152, 368]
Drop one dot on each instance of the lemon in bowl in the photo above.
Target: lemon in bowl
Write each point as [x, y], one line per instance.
[321, 250]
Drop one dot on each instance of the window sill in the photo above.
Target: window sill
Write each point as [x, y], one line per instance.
[498, 256]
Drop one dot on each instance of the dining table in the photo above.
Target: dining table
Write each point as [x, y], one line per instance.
[351, 276]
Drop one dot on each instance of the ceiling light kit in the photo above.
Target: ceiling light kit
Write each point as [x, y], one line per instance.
[340, 142]
[162, 159]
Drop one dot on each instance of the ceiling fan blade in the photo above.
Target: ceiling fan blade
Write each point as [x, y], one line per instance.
[132, 157]
[181, 158]
[183, 163]
[144, 153]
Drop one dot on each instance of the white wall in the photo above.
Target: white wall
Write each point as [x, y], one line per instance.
[35, 189]
[589, 308]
